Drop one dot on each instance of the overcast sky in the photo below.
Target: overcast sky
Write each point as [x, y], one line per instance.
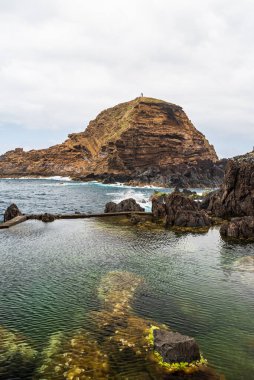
[63, 61]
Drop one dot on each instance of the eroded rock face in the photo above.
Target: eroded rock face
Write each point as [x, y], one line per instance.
[145, 140]
[11, 212]
[239, 228]
[175, 347]
[179, 210]
[126, 205]
[236, 196]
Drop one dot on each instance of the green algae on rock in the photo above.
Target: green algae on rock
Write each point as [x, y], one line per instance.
[78, 357]
[116, 334]
[17, 357]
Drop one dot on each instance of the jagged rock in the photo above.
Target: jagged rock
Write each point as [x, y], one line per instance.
[145, 140]
[159, 206]
[239, 228]
[189, 192]
[11, 212]
[175, 347]
[135, 219]
[179, 210]
[126, 205]
[236, 195]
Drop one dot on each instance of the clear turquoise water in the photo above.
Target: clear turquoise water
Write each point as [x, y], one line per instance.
[49, 275]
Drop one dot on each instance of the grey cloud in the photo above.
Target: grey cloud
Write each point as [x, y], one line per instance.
[61, 62]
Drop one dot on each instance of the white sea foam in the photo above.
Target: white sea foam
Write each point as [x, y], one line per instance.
[140, 197]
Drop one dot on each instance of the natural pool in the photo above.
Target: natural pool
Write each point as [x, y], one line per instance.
[50, 274]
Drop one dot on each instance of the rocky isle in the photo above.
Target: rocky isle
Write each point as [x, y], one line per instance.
[143, 141]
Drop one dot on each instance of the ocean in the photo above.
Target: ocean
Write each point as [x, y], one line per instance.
[51, 276]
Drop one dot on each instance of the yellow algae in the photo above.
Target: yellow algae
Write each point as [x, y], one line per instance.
[16, 354]
[77, 358]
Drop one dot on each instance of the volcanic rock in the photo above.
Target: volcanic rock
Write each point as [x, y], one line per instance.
[47, 218]
[125, 205]
[179, 210]
[175, 347]
[239, 228]
[144, 140]
[236, 195]
[11, 212]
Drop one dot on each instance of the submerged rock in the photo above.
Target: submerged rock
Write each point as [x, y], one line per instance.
[17, 357]
[117, 340]
[125, 205]
[11, 212]
[245, 264]
[117, 289]
[76, 358]
[239, 228]
[175, 347]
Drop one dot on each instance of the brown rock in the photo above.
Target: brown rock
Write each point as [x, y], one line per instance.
[175, 347]
[236, 195]
[144, 140]
[11, 212]
[126, 205]
[47, 218]
[159, 206]
[239, 228]
[184, 212]
[179, 210]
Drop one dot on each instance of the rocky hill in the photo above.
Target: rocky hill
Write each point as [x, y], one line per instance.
[145, 140]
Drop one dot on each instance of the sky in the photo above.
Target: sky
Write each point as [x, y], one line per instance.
[64, 61]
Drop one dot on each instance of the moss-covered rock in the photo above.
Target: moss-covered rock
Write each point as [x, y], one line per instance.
[17, 357]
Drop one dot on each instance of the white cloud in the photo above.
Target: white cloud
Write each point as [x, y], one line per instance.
[63, 61]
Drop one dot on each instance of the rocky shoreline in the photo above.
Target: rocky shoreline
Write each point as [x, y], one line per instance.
[231, 206]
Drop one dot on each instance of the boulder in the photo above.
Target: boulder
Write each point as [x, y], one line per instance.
[239, 228]
[126, 205]
[179, 210]
[47, 218]
[11, 212]
[175, 347]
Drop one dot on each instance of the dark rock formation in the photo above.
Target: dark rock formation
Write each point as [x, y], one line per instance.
[175, 347]
[239, 228]
[125, 205]
[179, 210]
[145, 140]
[11, 212]
[184, 212]
[236, 195]
[159, 206]
[47, 218]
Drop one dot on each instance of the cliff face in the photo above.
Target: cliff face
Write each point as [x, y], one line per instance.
[144, 140]
[236, 195]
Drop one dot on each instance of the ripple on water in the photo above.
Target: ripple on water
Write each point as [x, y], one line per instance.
[49, 277]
